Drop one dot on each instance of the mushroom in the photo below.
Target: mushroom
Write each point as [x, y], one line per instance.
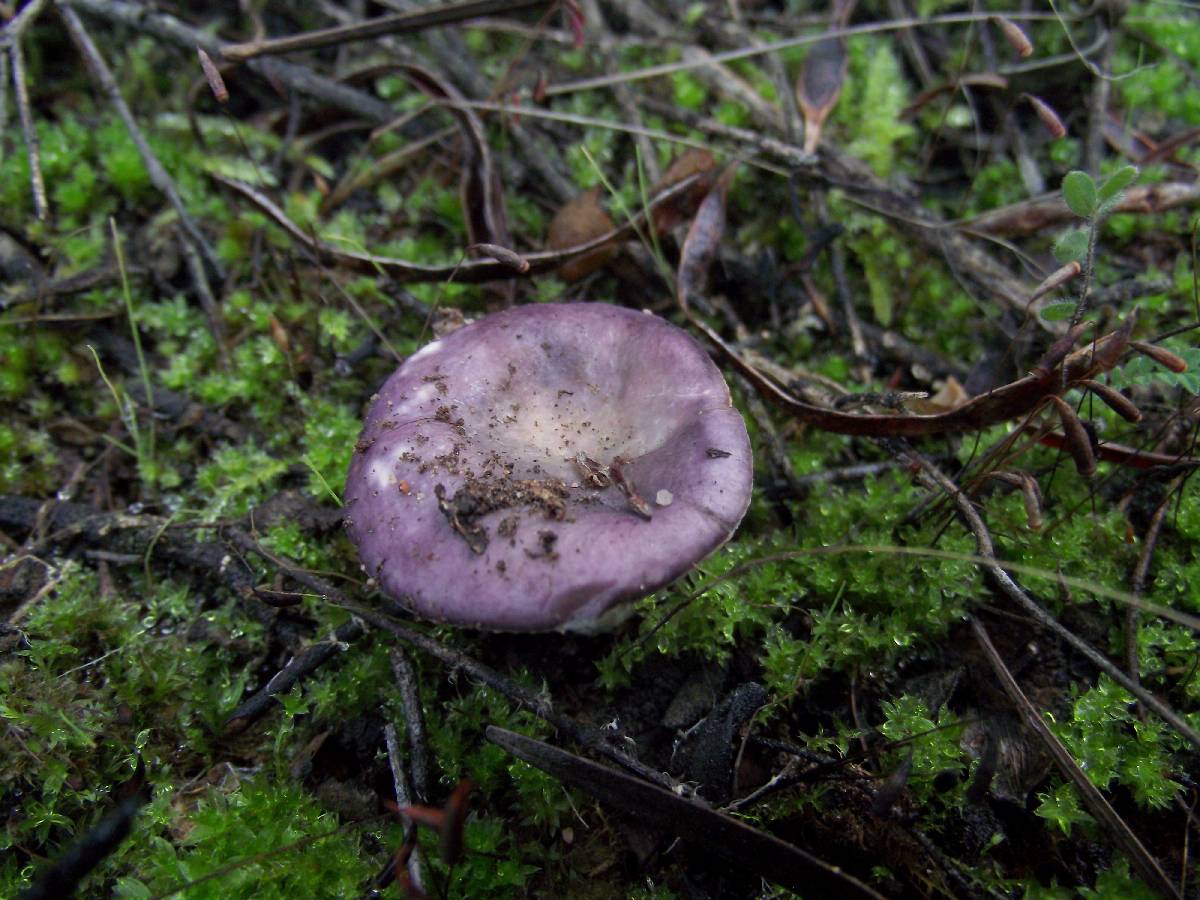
[537, 469]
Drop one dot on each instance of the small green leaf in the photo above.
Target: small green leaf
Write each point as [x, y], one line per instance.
[1058, 312]
[1071, 246]
[1117, 182]
[1079, 191]
[1108, 206]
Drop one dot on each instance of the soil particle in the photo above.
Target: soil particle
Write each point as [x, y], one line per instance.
[545, 548]
[438, 381]
[506, 384]
[478, 497]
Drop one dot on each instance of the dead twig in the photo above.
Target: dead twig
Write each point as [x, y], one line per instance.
[1010, 401]
[298, 667]
[414, 722]
[20, 23]
[41, 207]
[449, 49]
[102, 275]
[1093, 148]
[62, 877]
[481, 194]
[1145, 864]
[539, 704]
[1034, 215]
[4, 67]
[835, 169]
[472, 271]
[200, 256]
[158, 175]
[300, 78]
[1140, 572]
[756, 850]
[1132, 457]
[1002, 580]
[13, 55]
[399, 23]
[719, 78]
[404, 798]
[626, 98]
[841, 282]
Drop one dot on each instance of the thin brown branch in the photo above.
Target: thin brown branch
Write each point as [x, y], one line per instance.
[539, 704]
[1002, 580]
[626, 98]
[5, 65]
[719, 78]
[743, 52]
[1145, 864]
[297, 669]
[1008, 402]
[414, 722]
[20, 23]
[41, 207]
[1034, 215]
[300, 78]
[834, 169]
[158, 175]
[1093, 150]
[472, 271]
[404, 798]
[841, 283]
[1132, 457]
[400, 23]
[41, 292]
[1140, 572]
[208, 302]
[446, 45]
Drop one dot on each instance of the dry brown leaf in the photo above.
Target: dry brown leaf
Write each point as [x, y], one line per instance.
[578, 222]
[820, 85]
[693, 161]
[703, 239]
[951, 396]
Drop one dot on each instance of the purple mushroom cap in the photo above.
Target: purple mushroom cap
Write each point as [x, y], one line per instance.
[535, 469]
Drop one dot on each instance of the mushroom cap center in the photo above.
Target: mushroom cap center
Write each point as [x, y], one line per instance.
[539, 397]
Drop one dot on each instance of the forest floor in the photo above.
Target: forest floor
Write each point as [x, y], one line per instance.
[950, 651]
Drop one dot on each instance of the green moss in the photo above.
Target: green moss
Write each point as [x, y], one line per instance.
[1061, 808]
[265, 838]
[105, 677]
[122, 163]
[995, 185]
[851, 609]
[236, 479]
[1152, 81]
[330, 432]
[512, 836]
[874, 95]
[1114, 746]
[688, 91]
[931, 742]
